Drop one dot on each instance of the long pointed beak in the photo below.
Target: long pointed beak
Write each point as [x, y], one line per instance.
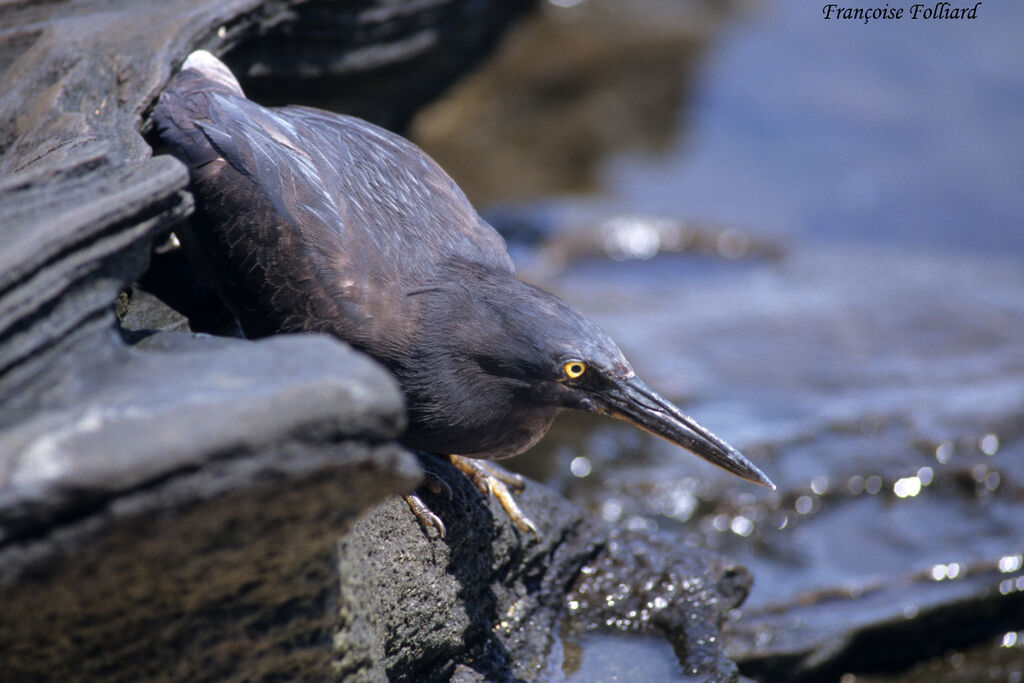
[636, 403]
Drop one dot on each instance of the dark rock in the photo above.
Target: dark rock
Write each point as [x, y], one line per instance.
[148, 532]
[642, 583]
[104, 432]
[140, 312]
[199, 578]
[173, 280]
[481, 604]
[68, 250]
[396, 57]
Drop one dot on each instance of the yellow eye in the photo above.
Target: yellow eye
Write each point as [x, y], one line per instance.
[573, 369]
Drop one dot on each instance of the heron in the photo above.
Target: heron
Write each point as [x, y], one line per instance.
[313, 221]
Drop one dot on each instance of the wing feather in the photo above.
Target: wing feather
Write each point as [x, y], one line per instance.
[318, 220]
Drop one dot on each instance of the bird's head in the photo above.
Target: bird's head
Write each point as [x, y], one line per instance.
[559, 357]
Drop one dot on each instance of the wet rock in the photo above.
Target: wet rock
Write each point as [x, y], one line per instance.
[643, 583]
[879, 628]
[551, 236]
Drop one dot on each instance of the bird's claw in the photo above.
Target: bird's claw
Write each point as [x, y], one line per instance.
[427, 518]
[437, 485]
[491, 479]
[504, 497]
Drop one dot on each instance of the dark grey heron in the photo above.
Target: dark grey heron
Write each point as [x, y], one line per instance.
[310, 221]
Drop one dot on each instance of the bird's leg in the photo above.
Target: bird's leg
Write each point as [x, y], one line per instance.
[491, 479]
[423, 513]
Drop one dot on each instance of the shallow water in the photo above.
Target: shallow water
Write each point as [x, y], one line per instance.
[871, 361]
[594, 655]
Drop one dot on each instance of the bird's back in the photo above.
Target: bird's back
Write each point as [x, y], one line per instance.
[310, 220]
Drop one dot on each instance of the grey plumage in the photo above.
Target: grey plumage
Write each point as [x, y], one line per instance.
[313, 221]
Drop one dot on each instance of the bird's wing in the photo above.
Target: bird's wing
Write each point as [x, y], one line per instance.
[352, 187]
[287, 166]
[327, 217]
[397, 193]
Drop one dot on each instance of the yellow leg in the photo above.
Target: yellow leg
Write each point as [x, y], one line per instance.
[491, 479]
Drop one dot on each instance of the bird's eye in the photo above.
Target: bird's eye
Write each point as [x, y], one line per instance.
[574, 369]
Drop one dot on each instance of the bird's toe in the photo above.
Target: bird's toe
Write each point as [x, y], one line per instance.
[491, 479]
[427, 518]
[437, 485]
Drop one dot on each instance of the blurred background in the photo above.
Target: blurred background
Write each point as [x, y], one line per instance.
[811, 234]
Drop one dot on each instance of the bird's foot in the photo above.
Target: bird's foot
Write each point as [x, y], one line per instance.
[427, 518]
[491, 479]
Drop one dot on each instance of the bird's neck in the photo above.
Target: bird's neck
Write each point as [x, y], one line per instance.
[456, 404]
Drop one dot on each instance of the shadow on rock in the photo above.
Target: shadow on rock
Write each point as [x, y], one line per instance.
[480, 604]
